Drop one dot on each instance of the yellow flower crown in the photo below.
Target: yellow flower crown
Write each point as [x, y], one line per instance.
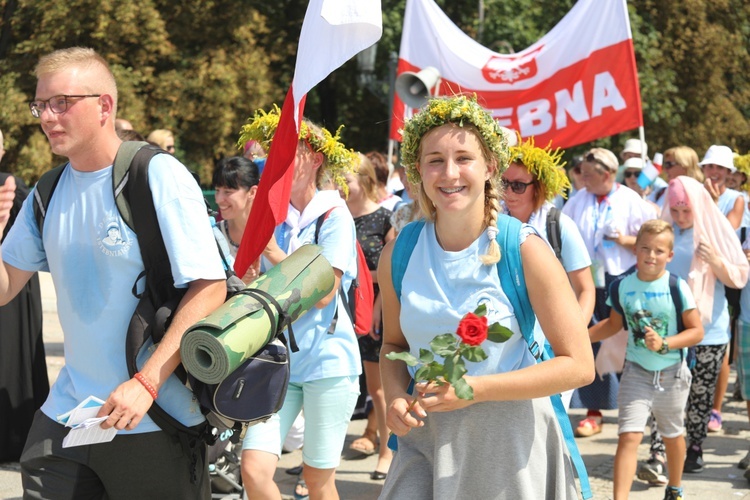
[339, 160]
[742, 163]
[460, 110]
[544, 164]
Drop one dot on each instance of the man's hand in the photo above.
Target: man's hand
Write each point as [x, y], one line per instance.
[126, 406]
[7, 195]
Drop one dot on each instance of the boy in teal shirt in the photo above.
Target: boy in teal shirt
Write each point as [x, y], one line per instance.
[655, 377]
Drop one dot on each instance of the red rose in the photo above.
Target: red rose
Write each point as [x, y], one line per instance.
[472, 329]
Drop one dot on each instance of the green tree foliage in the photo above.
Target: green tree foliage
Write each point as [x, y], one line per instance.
[193, 67]
[201, 67]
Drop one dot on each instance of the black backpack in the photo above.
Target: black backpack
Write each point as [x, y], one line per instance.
[160, 299]
[674, 291]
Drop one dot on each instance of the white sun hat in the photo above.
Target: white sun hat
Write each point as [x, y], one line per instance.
[633, 163]
[634, 146]
[721, 156]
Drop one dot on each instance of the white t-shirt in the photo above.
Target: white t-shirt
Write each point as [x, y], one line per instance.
[622, 210]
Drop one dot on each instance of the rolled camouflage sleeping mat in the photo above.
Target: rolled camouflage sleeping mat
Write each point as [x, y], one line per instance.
[215, 346]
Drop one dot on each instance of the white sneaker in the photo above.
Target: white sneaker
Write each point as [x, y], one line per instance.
[652, 472]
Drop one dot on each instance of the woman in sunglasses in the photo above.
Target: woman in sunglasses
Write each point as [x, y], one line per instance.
[534, 177]
[631, 172]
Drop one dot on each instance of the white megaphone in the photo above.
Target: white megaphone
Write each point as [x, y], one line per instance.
[414, 89]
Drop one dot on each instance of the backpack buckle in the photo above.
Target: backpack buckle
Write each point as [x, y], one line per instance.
[535, 350]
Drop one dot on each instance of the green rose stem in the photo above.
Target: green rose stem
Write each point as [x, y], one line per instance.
[453, 351]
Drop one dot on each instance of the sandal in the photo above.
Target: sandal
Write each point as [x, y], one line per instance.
[294, 471]
[366, 445]
[589, 426]
[300, 490]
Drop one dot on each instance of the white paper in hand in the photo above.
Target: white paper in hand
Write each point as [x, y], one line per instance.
[84, 425]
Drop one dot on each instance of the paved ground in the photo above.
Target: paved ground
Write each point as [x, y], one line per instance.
[721, 479]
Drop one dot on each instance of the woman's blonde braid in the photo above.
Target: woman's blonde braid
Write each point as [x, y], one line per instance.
[492, 209]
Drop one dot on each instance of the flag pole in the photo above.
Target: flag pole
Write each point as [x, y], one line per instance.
[642, 137]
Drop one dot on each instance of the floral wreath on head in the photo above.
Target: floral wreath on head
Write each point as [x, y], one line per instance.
[441, 111]
[261, 127]
[544, 164]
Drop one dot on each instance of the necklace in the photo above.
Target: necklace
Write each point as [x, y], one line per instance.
[225, 224]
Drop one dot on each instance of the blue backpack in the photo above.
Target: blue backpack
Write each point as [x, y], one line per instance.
[513, 282]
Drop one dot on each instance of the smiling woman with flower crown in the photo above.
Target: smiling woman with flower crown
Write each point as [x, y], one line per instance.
[534, 177]
[505, 442]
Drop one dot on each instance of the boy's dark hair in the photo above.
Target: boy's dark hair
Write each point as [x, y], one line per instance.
[236, 172]
[656, 227]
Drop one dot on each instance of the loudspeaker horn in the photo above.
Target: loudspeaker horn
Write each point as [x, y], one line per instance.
[414, 89]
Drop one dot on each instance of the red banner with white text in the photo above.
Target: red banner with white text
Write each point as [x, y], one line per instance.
[578, 83]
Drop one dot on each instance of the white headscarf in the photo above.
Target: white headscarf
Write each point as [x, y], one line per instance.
[711, 226]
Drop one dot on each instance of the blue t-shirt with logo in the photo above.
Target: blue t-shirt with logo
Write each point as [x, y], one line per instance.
[94, 260]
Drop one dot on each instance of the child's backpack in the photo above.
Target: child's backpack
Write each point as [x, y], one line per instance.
[360, 299]
[223, 404]
[513, 282]
[674, 291]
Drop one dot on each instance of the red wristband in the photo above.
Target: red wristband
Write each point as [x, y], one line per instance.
[145, 383]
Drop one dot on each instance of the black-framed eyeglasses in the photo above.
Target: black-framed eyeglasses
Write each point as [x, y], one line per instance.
[631, 173]
[517, 187]
[670, 164]
[170, 148]
[57, 104]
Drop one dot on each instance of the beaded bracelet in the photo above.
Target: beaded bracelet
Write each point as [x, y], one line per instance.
[145, 383]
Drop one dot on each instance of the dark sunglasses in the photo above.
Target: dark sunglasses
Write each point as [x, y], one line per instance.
[670, 164]
[517, 187]
[631, 173]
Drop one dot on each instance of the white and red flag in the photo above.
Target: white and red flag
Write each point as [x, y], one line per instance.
[333, 31]
[576, 84]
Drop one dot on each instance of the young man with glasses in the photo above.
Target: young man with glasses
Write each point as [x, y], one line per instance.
[608, 216]
[76, 103]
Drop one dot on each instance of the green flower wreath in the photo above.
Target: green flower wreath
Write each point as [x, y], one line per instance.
[339, 160]
[459, 110]
[544, 164]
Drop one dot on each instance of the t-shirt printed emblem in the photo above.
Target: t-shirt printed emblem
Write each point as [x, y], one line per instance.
[111, 239]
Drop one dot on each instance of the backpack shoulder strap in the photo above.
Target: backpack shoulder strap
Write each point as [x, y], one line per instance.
[402, 250]
[121, 175]
[512, 279]
[319, 223]
[554, 231]
[674, 290]
[513, 282]
[43, 193]
[614, 296]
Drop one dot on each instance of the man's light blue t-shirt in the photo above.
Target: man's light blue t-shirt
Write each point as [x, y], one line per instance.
[94, 260]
